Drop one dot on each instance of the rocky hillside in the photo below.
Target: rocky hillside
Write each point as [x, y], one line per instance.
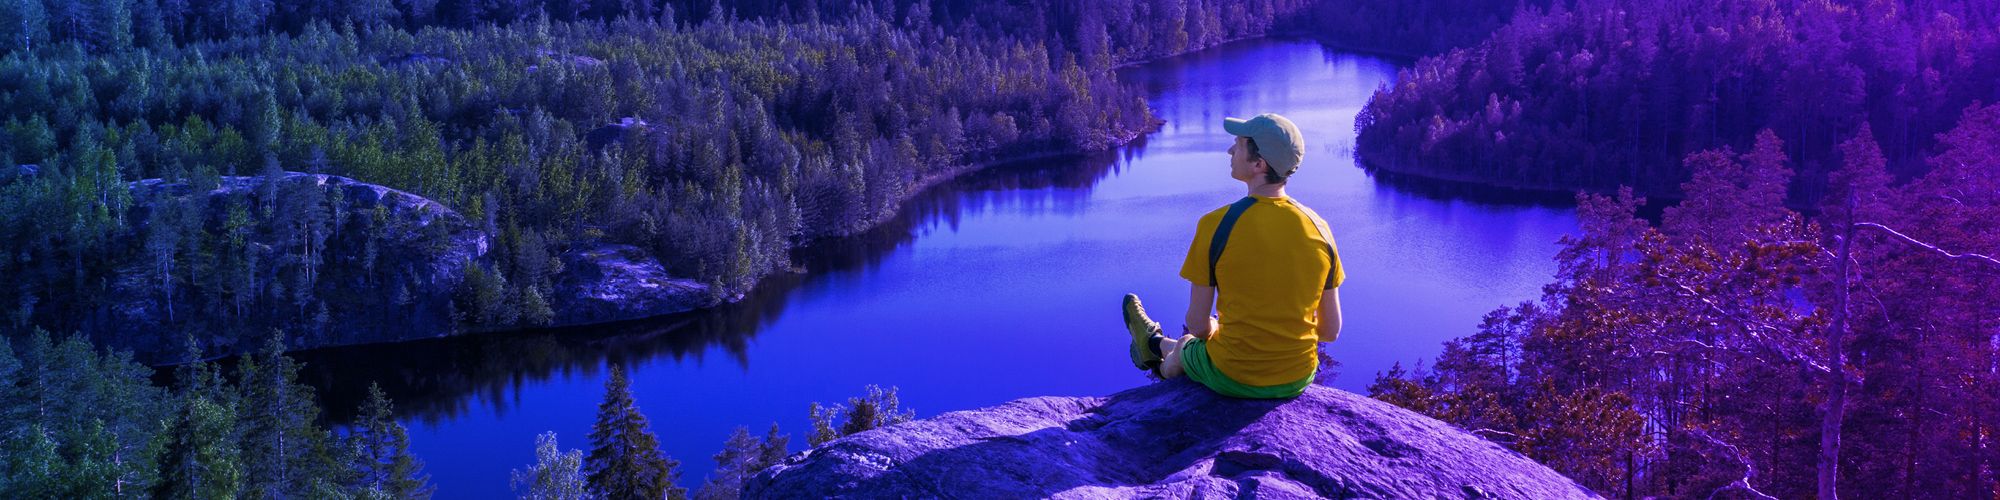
[333, 261]
[1173, 440]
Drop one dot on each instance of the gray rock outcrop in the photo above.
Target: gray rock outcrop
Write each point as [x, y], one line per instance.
[1173, 439]
[387, 266]
[610, 282]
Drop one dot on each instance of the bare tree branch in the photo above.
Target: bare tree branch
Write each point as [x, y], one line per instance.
[1982, 258]
[1752, 326]
[1484, 431]
[1749, 471]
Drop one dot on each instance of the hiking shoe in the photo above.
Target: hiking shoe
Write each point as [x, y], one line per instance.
[1142, 329]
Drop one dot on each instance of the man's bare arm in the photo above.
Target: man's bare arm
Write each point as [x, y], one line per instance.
[1329, 315]
[1201, 300]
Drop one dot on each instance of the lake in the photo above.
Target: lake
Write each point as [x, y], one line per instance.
[1001, 285]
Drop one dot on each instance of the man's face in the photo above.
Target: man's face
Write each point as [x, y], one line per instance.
[1242, 165]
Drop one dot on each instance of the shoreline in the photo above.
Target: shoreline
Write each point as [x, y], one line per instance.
[1473, 188]
[1466, 189]
[1652, 208]
[918, 188]
[1403, 59]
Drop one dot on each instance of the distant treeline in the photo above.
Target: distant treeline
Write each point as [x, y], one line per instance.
[717, 139]
[1127, 30]
[1595, 94]
[1407, 28]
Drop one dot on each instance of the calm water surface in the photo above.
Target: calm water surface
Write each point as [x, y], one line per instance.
[995, 287]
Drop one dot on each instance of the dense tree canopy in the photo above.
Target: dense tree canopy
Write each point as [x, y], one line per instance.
[1740, 346]
[1807, 320]
[625, 459]
[716, 135]
[715, 140]
[1836, 170]
[1608, 93]
[76, 422]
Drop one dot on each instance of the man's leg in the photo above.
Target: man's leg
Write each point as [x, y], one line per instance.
[1147, 344]
[1151, 350]
[1170, 352]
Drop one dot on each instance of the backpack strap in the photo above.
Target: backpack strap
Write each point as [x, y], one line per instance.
[1326, 236]
[1221, 237]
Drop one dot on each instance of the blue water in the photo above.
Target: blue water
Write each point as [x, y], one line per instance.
[996, 287]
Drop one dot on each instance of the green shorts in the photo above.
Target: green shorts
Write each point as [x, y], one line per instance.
[1194, 360]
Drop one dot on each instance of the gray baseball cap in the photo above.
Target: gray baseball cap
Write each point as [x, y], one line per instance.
[1278, 140]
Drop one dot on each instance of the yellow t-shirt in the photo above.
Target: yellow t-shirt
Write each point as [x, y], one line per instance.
[1270, 276]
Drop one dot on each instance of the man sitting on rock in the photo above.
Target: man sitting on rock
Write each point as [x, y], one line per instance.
[1267, 265]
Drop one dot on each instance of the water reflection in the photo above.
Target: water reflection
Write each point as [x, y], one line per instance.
[436, 380]
[1394, 185]
[993, 287]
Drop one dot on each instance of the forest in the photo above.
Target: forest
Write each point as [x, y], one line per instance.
[1810, 317]
[715, 137]
[342, 146]
[1812, 314]
[1740, 347]
[1597, 94]
[80, 423]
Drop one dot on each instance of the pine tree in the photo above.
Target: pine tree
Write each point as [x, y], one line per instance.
[88, 468]
[114, 21]
[163, 244]
[285, 453]
[32, 465]
[626, 461]
[14, 405]
[775, 447]
[1856, 193]
[822, 424]
[732, 465]
[876, 409]
[97, 415]
[24, 24]
[202, 459]
[131, 410]
[383, 465]
[743, 456]
[556, 474]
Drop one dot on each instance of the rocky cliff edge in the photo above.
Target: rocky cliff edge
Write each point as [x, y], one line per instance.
[1172, 439]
